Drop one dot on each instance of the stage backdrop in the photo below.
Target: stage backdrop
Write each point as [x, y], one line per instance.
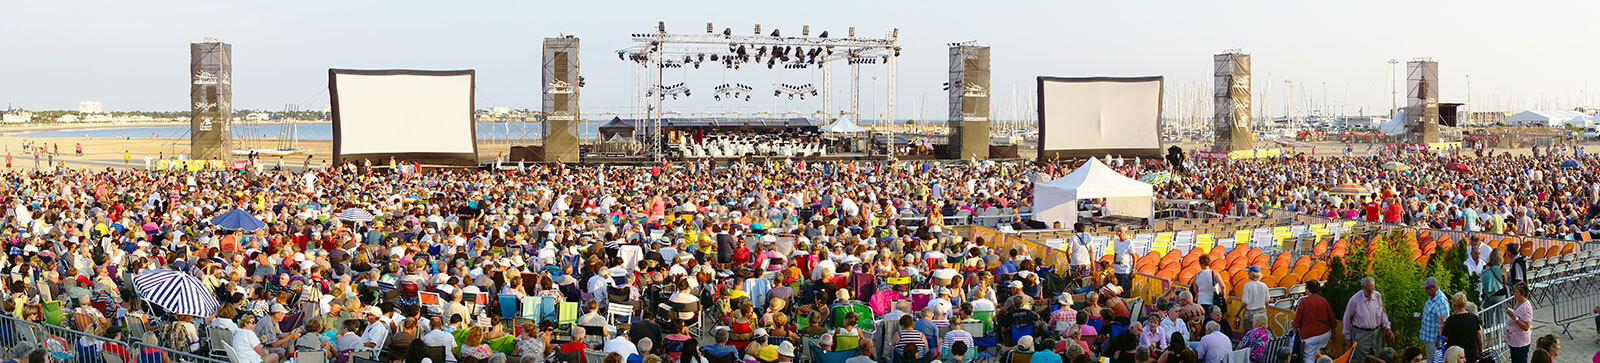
[411, 115]
[1097, 116]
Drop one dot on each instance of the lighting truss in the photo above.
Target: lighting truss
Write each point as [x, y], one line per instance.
[795, 90]
[657, 50]
[732, 92]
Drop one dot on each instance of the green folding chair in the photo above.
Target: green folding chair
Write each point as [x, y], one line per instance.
[52, 313]
[987, 317]
[864, 316]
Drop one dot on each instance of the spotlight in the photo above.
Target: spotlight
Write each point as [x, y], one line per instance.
[774, 32]
[619, 56]
[727, 32]
[824, 34]
[713, 57]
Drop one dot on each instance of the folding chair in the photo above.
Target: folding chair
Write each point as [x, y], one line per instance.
[431, 302]
[218, 339]
[508, 306]
[311, 357]
[529, 308]
[619, 314]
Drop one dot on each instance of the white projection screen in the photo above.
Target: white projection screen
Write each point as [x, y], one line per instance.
[1094, 116]
[413, 116]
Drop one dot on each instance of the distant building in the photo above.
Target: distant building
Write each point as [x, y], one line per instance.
[500, 111]
[97, 118]
[88, 107]
[68, 118]
[17, 117]
[257, 116]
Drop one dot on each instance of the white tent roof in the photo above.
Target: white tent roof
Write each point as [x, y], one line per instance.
[1057, 200]
[1096, 180]
[843, 125]
[1543, 117]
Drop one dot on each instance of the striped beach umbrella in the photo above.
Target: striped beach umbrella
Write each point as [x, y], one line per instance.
[1396, 166]
[177, 292]
[1349, 189]
[355, 215]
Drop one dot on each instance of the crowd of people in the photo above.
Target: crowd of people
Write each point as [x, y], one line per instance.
[760, 261]
[1550, 192]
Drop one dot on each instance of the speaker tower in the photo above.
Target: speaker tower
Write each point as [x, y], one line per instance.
[1231, 102]
[969, 101]
[210, 100]
[1422, 101]
[560, 99]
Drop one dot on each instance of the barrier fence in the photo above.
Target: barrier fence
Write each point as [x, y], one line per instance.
[65, 344]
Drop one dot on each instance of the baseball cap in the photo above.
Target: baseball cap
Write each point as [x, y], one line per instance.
[1430, 282]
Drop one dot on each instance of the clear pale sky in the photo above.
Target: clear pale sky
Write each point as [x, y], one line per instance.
[133, 55]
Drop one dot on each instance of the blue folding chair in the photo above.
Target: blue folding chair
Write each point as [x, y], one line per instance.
[547, 307]
[508, 306]
[1017, 332]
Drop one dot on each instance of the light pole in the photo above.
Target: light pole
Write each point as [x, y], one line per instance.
[1394, 93]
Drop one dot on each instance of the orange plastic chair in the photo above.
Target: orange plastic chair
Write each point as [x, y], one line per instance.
[1320, 249]
[1168, 275]
[1290, 280]
[1527, 250]
[1568, 248]
[1271, 280]
[1282, 261]
[1187, 274]
[1261, 260]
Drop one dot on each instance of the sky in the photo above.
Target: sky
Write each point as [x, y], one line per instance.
[133, 55]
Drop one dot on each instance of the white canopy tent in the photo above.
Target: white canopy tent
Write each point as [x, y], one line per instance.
[843, 125]
[1057, 200]
[1548, 118]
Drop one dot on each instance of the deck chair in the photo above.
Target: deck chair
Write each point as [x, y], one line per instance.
[591, 355]
[619, 314]
[311, 357]
[107, 356]
[529, 308]
[508, 306]
[822, 356]
[217, 338]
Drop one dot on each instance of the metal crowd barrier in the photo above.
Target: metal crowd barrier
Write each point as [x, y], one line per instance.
[65, 344]
[1492, 327]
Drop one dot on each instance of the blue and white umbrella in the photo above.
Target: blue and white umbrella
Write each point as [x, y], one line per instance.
[178, 292]
[355, 215]
[238, 219]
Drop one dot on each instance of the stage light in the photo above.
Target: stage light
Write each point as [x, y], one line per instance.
[713, 57]
[824, 34]
[619, 56]
[774, 32]
[727, 32]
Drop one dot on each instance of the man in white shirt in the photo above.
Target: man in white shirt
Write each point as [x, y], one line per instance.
[440, 338]
[377, 332]
[1173, 322]
[621, 345]
[1214, 347]
[247, 346]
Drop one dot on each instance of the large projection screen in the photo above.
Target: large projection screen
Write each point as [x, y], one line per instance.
[1094, 116]
[414, 116]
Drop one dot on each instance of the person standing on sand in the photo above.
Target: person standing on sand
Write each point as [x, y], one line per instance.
[79, 148]
[126, 158]
[8, 159]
